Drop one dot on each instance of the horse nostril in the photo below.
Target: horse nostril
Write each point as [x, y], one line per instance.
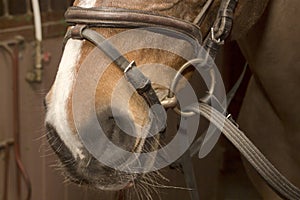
[119, 125]
[121, 131]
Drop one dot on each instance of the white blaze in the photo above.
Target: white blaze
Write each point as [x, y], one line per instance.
[87, 3]
[57, 107]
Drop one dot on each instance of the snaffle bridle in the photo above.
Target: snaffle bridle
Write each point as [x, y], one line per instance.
[83, 19]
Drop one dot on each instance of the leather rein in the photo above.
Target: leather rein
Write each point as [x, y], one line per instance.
[83, 19]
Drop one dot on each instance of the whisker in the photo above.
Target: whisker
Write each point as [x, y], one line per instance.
[41, 137]
[168, 187]
[136, 191]
[147, 193]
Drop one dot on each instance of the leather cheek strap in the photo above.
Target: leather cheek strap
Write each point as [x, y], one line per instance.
[134, 76]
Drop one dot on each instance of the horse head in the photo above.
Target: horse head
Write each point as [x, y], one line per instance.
[118, 109]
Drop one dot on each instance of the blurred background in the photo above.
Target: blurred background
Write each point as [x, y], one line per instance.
[28, 64]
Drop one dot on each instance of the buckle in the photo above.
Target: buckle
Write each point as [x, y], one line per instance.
[229, 116]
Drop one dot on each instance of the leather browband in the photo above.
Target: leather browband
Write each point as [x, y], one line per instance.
[123, 18]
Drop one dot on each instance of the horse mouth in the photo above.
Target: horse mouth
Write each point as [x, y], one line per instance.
[88, 170]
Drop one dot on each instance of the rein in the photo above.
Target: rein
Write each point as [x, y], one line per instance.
[83, 19]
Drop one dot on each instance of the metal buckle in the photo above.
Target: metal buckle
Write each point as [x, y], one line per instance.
[129, 67]
[213, 38]
[229, 116]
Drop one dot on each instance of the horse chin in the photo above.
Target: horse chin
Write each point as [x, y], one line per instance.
[115, 187]
[96, 175]
[108, 182]
[87, 170]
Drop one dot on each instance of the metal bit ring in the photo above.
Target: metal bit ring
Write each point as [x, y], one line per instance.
[176, 79]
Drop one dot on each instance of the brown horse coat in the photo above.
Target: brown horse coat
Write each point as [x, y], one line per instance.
[270, 111]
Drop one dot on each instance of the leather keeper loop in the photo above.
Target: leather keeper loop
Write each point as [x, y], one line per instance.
[76, 31]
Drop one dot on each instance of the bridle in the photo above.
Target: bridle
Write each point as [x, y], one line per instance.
[83, 19]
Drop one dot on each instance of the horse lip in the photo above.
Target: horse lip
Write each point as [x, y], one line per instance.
[64, 154]
[124, 186]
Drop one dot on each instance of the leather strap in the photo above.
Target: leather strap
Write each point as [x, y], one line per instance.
[222, 27]
[133, 75]
[198, 144]
[124, 18]
[267, 171]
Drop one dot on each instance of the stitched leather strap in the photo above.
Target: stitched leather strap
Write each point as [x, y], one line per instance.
[123, 18]
[267, 171]
[221, 28]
